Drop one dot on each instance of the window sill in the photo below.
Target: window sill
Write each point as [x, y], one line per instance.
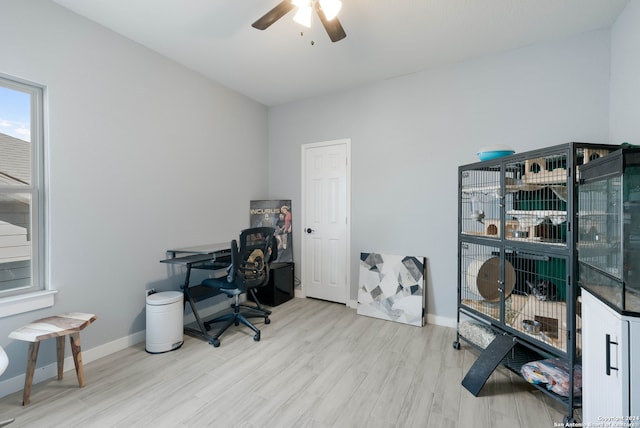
[14, 305]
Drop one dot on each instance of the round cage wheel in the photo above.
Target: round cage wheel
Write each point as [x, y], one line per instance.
[456, 345]
[215, 342]
[257, 337]
[267, 320]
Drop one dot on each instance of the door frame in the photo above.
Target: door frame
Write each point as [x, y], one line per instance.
[347, 143]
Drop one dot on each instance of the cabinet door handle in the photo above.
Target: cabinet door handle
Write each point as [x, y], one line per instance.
[608, 343]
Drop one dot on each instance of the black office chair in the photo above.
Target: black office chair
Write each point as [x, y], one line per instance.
[249, 269]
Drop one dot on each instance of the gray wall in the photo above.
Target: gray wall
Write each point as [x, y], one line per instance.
[410, 134]
[143, 156]
[625, 76]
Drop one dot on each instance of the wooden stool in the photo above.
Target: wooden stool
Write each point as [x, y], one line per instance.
[57, 326]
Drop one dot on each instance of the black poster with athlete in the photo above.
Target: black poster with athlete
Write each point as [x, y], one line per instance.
[276, 214]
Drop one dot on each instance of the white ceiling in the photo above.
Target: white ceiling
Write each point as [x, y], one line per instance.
[384, 38]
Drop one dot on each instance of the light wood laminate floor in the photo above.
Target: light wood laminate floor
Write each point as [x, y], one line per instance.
[318, 364]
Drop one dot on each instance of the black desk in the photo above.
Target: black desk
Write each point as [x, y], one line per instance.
[215, 257]
[221, 248]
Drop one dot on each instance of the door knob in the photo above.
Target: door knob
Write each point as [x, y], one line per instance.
[309, 230]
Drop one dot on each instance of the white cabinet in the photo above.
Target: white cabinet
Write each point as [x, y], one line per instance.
[610, 368]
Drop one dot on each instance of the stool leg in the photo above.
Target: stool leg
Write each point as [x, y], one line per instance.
[74, 338]
[60, 353]
[32, 356]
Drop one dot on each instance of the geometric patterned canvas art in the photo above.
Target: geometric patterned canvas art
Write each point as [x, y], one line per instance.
[392, 287]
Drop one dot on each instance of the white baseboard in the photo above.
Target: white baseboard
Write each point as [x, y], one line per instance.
[441, 321]
[431, 319]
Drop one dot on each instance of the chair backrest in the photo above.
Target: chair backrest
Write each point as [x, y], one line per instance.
[250, 261]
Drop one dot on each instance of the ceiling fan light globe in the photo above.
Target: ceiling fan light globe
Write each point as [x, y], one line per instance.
[331, 8]
[303, 16]
[300, 3]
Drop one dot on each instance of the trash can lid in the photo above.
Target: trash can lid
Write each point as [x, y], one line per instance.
[164, 298]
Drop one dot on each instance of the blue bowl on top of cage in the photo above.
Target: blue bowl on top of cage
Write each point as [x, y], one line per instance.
[494, 152]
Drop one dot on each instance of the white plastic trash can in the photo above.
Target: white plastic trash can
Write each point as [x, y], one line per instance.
[164, 321]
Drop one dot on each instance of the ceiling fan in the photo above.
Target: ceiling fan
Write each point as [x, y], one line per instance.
[326, 10]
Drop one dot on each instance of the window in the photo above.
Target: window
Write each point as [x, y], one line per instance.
[21, 189]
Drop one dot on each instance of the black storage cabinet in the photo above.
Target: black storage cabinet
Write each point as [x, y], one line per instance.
[280, 286]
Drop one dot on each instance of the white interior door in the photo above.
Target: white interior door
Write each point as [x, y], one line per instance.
[325, 220]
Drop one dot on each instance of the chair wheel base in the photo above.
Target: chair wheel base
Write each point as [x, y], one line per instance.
[215, 342]
[267, 320]
[257, 337]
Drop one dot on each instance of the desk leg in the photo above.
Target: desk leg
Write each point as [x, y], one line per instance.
[185, 290]
[203, 329]
[32, 357]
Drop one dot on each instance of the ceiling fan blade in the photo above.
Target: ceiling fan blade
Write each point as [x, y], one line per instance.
[273, 15]
[333, 27]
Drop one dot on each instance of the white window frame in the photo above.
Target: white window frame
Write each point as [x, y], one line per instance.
[37, 295]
